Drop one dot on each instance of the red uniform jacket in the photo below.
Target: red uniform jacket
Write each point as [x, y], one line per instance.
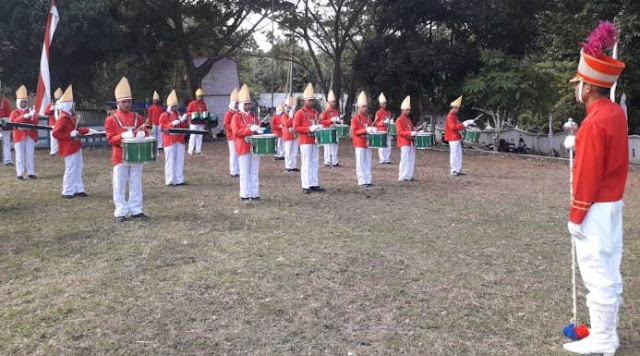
[359, 125]
[287, 123]
[275, 125]
[21, 134]
[404, 126]
[62, 132]
[115, 128]
[241, 126]
[452, 128]
[5, 108]
[327, 115]
[602, 158]
[382, 115]
[153, 114]
[302, 121]
[228, 116]
[195, 106]
[165, 124]
[49, 111]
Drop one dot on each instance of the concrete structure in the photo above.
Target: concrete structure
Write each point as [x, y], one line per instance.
[217, 86]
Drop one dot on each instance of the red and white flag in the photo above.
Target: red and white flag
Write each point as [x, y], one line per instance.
[43, 95]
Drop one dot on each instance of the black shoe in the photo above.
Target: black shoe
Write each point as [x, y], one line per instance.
[235, 175]
[246, 199]
[9, 164]
[279, 158]
[256, 198]
[81, 194]
[337, 165]
[140, 216]
[318, 189]
[31, 176]
[183, 183]
[287, 170]
[306, 191]
[368, 185]
[295, 170]
[67, 196]
[20, 177]
[461, 174]
[121, 219]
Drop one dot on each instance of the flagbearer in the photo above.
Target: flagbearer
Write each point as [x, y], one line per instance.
[452, 135]
[196, 106]
[382, 121]
[276, 128]
[50, 111]
[330, 117]
[306, 123]
[291, 142]
[599, 178]
[5, 113]
[245, 124]
[174, 142]
[406, 133]
[24, 139]
[153, 118]
[125, 124]
[361, 125]
[234, 169]
[67, 132]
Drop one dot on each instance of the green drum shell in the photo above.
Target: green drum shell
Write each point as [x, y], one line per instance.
[392, 129]
[263, 144]
[196, 116]
[206, 116]
[343, 131]
[424, 140]
[326, 136]
[377, 140]
[471, 136]
[137, 151]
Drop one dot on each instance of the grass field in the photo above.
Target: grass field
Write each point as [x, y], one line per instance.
[475, 265]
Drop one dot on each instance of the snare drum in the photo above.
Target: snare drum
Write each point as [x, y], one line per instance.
[343, 131]
[139, 150]
[424, 140]
[264, 144]
[326, 136]
[472, 136]
[196, 116]
[392, 128]
[377, 139]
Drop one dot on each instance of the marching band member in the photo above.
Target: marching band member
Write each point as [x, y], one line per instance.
[289, 137]
[452, 135]
[198, 105]
[153, 118]
[276, 128]
[67, 132]
[361, 125]
[234, 169]
[331, 116]
[599, 178]
[5, 113]
[382, 121]
[244, 124]
[173, 142]
[50, 111]
[305, 123]
[24, 139]
[125, 124]
[405, 133]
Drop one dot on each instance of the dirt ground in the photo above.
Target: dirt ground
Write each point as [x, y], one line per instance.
[474, 265]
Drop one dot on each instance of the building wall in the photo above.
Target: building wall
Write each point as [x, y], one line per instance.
[217, 86]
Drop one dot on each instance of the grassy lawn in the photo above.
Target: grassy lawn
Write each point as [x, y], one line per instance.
[475, 265]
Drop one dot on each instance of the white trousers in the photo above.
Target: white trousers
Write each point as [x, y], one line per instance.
[384, 154]
[157, 133]
[280, 148]
[53, 146]
[122, 174]
[600, 253]
[174, 164]
[249, 175]
[363, 165]
[195, 141]
[72, 179]
[309, 156]
[331, 154]
[24, 156]
[455, 156]
[407, 162]
[6, 146]
[291, 154]
[234, 169]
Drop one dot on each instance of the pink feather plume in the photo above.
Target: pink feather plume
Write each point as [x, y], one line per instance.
[602, 38]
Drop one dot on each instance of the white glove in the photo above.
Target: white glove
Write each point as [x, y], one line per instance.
[261, 130]
[312, 128]
[175, 122]
[386, 121]
[29, 114]
[335, 119]
[413, 133]
[466, 123]
[127, 135]
[575, 230]
[74, 133]
[570, 142]
[290, 129]
[140, 134]
[92, 131]
[254, 128]
[183, 118]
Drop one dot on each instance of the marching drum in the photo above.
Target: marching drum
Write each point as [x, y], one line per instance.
[139, 150]
[343, 131]
[471, 136]
[392, 128]
[264, 144]
[377, 139]
[196, 116]
[424, 140]
[327, 136]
